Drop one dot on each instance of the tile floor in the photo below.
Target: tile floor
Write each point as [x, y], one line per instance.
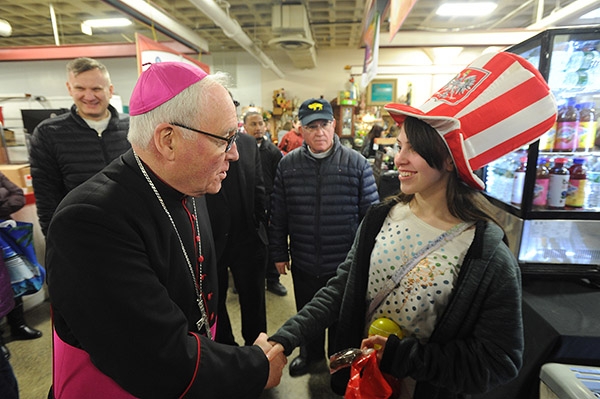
[31, 360]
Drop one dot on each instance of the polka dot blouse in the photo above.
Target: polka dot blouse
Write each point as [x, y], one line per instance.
[422, 295]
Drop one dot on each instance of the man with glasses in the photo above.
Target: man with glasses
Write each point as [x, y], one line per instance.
[321, 192]
[131, 261]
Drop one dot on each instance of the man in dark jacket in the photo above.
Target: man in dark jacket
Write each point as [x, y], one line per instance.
[70, 148]
[322, 191]
[239, 226]
[269, 156]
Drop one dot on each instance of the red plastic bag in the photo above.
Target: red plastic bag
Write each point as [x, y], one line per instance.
[366, 380]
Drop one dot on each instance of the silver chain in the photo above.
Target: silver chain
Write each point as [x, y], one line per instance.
[197, 286]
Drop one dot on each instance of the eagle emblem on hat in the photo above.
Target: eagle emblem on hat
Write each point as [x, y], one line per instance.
[461, 86]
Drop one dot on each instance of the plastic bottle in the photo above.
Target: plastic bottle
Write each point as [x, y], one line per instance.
[558, 184]
[547, 139]
[519, 182]
[577, 184]
[540, 190]
[593, 184]
[566, 128]
[586, 132]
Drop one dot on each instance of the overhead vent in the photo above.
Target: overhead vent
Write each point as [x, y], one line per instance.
[290, 25]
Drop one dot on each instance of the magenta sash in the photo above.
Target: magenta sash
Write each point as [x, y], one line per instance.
[74, 375]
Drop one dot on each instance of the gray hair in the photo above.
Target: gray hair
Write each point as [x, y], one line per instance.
[84, 64]
[183, 108]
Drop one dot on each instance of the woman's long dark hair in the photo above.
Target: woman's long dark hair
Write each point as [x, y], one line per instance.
[464, 202]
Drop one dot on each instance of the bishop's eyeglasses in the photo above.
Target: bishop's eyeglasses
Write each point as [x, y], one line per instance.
[230, 140]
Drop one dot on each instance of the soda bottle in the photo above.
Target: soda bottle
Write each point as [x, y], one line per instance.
[519, 182]
[577, 183]
[587, 126]
[558, 184]
[567, 124]
[540, 190]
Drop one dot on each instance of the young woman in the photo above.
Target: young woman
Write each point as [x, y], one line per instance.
[459, 308]
[432, 259]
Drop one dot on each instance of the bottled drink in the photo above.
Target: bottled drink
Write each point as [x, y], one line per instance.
[566, 128]
[547, 139]
[519, 182]
[587, 126]
[558, 184]
[540, 190]
[593, 192]
[577, 183]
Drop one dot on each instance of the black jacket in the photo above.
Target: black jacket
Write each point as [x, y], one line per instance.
[65, 152]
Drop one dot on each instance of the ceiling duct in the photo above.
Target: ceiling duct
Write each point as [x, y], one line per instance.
[290, 24]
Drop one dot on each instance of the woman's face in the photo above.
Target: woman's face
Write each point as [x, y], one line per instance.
[414, 173]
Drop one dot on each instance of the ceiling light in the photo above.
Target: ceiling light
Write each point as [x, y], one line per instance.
[88, 24]
[5, 28]
[592, 14]
[466, 9]
[107, 22]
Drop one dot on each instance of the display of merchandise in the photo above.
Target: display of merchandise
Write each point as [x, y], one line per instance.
[551, 210]
[577, 184]
[558, 184]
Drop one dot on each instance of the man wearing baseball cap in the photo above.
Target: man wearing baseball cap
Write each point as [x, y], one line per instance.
[321, 192]
[131, 260]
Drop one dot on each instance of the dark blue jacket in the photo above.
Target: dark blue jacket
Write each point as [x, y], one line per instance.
[319, 204]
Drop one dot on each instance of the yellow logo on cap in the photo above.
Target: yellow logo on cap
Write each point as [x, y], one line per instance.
[315, 107]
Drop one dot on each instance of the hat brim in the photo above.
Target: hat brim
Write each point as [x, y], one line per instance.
[316, 117]
[449, 129]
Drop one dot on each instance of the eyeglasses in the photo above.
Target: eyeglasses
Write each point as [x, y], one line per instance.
[316, 126]
[230, 140]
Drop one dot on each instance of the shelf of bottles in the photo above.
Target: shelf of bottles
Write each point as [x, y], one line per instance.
[565, 172]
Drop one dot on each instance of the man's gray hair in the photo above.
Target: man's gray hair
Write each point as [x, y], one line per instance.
[184, 108]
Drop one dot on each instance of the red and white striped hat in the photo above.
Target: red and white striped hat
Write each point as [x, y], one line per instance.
[499, 103]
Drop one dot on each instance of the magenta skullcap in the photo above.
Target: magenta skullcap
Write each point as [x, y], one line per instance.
[161, 82]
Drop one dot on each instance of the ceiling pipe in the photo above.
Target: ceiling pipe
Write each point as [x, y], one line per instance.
[574, 9]
[54, 25]
[233, 30]
[143, 11]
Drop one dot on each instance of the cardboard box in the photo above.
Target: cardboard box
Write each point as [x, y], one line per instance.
[20, 174]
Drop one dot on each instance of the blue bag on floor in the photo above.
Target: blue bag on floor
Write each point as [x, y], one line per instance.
[26, 274]
[7, 301]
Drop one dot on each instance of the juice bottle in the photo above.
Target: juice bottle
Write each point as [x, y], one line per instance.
[519, 182]
[542, 177]
[567, 124]
[547, 139]
[577, 183]
[587, 127]
[558, 184]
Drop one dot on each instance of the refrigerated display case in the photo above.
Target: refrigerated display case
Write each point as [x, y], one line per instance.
[560, 237]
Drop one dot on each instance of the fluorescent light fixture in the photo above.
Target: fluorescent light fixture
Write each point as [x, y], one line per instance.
[592, 14]
[107, 22]
[466, 9]
[88, 24]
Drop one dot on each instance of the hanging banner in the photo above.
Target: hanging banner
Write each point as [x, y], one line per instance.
[150, 52]
[399, 10]
[371, 42]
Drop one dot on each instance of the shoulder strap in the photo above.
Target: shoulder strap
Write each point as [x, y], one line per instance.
[393, 280]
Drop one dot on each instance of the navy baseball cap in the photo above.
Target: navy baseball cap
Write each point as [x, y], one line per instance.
[315, 109]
